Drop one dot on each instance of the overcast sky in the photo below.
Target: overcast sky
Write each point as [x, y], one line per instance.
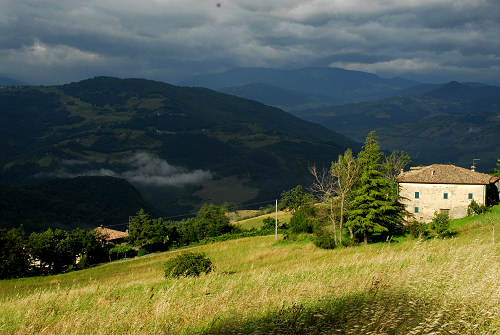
[57, 41]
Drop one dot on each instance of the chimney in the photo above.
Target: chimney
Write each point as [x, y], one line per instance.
[433, 172]
[402, 171]
[473, 168]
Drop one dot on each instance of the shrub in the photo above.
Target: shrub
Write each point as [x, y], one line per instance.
[302, 220]
[188, 264]
[438, 227]
[414, 228]
[324, 240]
[269, 224]
[475, 209]
[142, 252]
[441, 225]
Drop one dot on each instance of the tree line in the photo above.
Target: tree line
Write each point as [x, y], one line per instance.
[49, 252]
[55, 250]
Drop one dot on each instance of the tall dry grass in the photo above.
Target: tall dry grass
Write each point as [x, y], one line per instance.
[260, 286]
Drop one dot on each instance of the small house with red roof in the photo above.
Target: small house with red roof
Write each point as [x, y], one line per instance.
[112, 235]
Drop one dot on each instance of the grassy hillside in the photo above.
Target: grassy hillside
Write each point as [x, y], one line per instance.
[261, 286]
[256, 222]
[452, 123]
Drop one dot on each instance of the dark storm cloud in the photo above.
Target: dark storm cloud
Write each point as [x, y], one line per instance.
[55, 41]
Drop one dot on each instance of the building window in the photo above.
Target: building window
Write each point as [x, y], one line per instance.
[416, 209]
[445, 195]
[417, 195]
[470, 196]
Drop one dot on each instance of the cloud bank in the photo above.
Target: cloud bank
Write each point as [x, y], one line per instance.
[55, 41]
[144, 169]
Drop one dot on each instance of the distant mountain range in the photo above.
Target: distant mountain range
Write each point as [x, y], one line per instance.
[448, 123]
[179, 146]
[452, 123]
[315, 85]
[5, 81]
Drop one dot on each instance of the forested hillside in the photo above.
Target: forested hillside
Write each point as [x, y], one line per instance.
[84, 202]
[453, 123]
[179, 146]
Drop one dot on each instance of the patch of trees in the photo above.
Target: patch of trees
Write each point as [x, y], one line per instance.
[155, 234]
[56, 251]
[358, 199]
[49, 252]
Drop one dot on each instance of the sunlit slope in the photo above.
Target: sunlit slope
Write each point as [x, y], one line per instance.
[263, 286]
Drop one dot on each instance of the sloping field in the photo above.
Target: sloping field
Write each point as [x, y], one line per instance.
[256, 222]
[261, 286]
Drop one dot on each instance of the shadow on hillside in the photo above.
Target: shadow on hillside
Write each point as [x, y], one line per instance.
[375, 311]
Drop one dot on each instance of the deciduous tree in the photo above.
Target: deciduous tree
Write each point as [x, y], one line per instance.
[346, 172]
[14, 260]
[295, 198]
[394, 163]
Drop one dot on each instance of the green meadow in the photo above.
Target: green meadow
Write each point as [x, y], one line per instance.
[264, 286]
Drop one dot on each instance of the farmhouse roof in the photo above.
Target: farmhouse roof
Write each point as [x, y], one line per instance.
[444, 174]
[111, 234]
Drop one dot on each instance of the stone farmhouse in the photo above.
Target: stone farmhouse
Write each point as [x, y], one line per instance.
[444, 188]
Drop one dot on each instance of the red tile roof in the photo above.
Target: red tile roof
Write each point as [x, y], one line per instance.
[111, 234]
[444, 174]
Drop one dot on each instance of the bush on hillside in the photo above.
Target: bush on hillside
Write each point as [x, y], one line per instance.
[142, 252]
[441, 224]
[476, 209]
[438, 227]
[269, 224]
[324, 239]
[188, 264]
[414, 228]
[303, 220]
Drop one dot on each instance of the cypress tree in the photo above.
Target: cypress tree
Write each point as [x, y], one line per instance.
[374, 209]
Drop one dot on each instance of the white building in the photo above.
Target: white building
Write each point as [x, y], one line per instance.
[444, 188]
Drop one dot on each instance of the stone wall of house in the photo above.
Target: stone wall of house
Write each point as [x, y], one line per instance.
[431, 199]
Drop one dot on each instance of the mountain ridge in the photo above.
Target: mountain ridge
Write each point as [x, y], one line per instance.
[196, 144]
[449, 124]
[338, 85]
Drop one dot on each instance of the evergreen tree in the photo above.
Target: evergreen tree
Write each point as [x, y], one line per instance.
[374, 209]
[212, 221]
[150, 234]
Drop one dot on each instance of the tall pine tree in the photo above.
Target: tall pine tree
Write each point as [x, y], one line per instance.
[374, 210]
